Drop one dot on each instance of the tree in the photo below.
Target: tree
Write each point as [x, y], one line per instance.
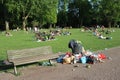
[51, 11]
[26, 8]
[5, 13]
[110, 10]
[43, 11]
[62, 13]
[95, 12]
[22, 9]
[80, 9]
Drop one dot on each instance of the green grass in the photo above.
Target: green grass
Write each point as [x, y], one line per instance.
[21, 40]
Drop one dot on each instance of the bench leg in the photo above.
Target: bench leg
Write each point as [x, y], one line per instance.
[15, 70]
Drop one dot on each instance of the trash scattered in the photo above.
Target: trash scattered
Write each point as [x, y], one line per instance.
[60, 58]
[109, 58]
[106, 48]
[83, 60]
[73, 69]
[101, 56]
[45, 63]
[76, 66]
[88, 66]
[83, 56]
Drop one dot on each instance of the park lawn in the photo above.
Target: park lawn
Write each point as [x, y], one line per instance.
[22, 40]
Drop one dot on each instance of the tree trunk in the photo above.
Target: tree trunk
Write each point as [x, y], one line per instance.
[109, 24]
[24, 21]
[7, 26]
[54, 25]
[115, 24]
[81, 22]
[24, 24]
[50, 25]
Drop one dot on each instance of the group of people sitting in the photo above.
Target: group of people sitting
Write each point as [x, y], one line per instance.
[44, 36]
[50, 35]
[8, 34]
[100, 31]
[60, 32]
[99, 34]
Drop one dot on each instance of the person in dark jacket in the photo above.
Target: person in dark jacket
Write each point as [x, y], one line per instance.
[75, 46]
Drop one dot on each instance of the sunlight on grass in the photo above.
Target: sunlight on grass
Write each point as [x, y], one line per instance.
[21, 40]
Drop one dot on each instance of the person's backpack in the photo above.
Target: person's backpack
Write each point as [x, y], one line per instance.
[71, 44]
[77, 48]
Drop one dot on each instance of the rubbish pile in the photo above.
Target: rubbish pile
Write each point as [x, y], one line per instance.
[80, 55]
[69, 58]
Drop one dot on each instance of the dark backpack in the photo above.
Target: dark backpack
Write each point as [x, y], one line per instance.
[75, 47]
[71, 44]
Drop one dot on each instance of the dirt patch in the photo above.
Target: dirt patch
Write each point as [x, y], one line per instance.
[109, 70]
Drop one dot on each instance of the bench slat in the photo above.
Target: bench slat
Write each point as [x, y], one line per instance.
[31, 59]
[24, 53]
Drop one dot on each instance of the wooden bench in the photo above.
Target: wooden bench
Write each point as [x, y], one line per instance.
[25, 56]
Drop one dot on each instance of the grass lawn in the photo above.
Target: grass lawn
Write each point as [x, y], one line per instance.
[21, 40]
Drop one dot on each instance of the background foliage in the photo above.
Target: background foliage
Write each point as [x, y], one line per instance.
[62, 13]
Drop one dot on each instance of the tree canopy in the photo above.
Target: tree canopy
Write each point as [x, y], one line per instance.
[75, 13]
